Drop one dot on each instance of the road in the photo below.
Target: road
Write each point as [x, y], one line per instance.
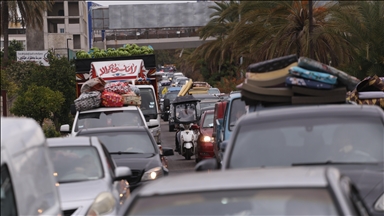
[177, 164]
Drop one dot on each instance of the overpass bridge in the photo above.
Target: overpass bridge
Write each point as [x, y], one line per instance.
[163, 26]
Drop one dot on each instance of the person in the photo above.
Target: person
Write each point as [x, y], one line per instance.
[186, 114]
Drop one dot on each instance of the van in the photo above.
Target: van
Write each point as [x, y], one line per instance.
[28, 185]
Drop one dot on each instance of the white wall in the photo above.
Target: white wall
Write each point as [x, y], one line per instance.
[73, 28]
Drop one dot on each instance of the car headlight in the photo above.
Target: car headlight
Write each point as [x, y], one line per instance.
[103, 204]
[206, 139]
[152, 174]
[379, 205]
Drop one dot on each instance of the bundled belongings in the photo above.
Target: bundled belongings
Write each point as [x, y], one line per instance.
[289, 80]
[111, 99]
[88, 100]
[94, 84]
[118, 87]
[369, 91]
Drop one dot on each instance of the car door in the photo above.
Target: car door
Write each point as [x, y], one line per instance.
[121, 187]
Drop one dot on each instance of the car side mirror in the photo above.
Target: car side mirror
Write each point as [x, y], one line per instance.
[167, 104]
[223, 145]
[122, 172]
[64, 128]
[167, 151]
[207, 164]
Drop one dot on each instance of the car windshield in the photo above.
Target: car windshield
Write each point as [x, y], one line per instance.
[126, 142]
[305, 201]
[76, 163]
[213, 91]
[295, 141]
[238, 109]
[148, 103]
[208, 120]
[109, 119]
[185, 112]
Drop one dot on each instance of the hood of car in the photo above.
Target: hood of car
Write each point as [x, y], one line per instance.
[367, 178]
[138, 161]
[81, 193]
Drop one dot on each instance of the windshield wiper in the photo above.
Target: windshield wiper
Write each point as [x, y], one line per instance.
[329, 162]
[120, 152]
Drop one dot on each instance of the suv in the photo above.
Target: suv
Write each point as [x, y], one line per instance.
[318, 135]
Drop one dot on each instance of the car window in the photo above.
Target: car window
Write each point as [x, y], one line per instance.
[171, 96]
[304, 201]
[238, 109]
[208, 120]
[8, 202]
[308, 140]
[109, 119]
[148, 102]
[129, 142]
[76, 163]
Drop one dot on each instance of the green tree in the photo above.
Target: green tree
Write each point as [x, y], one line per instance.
[38, 102]
[14, 46]
[363, 27]
[31, 13]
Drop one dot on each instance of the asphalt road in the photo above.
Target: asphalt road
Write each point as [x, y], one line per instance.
[177, 164]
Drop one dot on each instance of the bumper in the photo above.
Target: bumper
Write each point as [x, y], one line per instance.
[205, 150]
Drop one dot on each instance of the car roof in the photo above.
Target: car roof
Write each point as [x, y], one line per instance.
[103, 109]
[253, 178]
[18, 134]
[313, 111]
[112, 129]
[69, 141]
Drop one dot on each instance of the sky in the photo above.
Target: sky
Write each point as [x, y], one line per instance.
[106, 3]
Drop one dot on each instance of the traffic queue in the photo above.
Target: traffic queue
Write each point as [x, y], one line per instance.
[297, 138]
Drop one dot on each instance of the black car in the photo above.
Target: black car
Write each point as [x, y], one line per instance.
[349, 137]
[135, 148]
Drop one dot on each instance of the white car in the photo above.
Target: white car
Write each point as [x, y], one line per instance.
[106, 117]
[28, 186]
[88, 179]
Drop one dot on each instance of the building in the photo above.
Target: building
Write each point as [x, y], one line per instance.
[15, 32]
[66, 23]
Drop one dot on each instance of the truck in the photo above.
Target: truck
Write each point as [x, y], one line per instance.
[137, 70]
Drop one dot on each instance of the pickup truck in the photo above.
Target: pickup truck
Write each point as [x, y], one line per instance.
[137, 70]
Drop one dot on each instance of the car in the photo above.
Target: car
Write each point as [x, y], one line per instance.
[135, 148]
[350, 137]
[84, 171]
[270, 191]
[214, 91]
[106, 117]
[165, 109]
[204, 147]
[28, 186]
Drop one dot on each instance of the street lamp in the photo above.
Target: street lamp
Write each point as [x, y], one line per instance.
[68, 47]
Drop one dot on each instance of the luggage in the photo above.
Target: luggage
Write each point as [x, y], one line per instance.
[117, 87]
[369, 84]
[110, 99]
[94, 84]
[313, 75]
[296, 81]
[347, 80]
[129, 99]
[88, 100]
[273, 64]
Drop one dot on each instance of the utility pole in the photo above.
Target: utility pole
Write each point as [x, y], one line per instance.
[311, 51]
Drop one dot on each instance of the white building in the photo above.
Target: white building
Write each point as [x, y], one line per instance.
[15, 32]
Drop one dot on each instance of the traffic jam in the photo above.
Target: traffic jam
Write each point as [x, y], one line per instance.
[297, 137]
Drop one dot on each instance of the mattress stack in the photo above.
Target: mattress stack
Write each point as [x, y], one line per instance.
[292, 80]
[369, 91]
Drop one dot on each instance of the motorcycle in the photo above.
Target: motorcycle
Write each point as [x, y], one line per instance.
[186, 117]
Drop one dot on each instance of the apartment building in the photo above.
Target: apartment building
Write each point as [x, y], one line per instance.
[66, 23]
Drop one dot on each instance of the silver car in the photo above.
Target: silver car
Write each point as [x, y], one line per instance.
[88, 179]
[269, 191]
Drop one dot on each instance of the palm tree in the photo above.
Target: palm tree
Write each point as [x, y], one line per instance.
[222, 21]
[31, 13]
[270, 29]
[363, 29]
